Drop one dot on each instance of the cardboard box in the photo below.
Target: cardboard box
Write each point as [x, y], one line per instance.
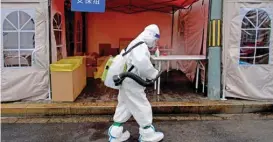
[67, 85]
[100, 60]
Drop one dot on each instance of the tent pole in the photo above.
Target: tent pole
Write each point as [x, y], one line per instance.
[49, 46]
[172, 27]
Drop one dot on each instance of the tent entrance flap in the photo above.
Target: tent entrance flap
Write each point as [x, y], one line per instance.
[137, 6]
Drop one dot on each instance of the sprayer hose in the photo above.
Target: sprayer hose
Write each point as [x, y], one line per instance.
[118, 79]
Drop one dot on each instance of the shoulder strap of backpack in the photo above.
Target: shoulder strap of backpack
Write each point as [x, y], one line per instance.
[131, 68]
[132, 48]
[139, 43]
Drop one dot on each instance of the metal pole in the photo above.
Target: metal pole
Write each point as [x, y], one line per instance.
[214, 55]
[49, 46]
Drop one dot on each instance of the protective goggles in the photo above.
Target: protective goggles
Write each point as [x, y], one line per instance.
[157, 36]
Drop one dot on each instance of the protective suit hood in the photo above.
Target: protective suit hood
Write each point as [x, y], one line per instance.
[150, 35]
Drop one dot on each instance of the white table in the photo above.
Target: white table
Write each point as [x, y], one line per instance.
[197, 58]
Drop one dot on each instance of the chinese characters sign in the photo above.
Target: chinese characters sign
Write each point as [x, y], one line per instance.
[88, 5]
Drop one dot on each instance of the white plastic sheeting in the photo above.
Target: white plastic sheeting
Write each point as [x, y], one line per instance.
[190, 36]
[25, 61]
[247, 49]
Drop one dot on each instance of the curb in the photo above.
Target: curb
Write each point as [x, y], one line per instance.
[108, 108]
[156, 118]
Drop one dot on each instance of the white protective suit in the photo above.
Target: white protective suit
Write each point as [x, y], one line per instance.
[132, 100]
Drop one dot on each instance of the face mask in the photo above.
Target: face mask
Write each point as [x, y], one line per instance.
[153, 44]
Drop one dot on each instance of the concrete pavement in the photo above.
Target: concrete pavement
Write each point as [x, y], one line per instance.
[246, 130]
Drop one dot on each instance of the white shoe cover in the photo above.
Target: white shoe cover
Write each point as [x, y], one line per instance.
[116, 134]
[150, 135]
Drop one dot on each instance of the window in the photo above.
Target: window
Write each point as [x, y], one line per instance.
[255, 37]
[57, 28]
[18, 39]
[79, 37]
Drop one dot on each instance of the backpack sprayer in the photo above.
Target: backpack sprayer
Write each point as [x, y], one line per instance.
[115, 71]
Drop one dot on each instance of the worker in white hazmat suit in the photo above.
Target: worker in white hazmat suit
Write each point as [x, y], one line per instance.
[132, 100]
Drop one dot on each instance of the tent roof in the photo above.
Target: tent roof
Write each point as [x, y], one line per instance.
[136, 6]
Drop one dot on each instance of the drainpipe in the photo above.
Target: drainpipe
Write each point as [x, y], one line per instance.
[214, 53]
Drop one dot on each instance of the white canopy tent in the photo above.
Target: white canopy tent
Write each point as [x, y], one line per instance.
[25, 50]
[247, 49]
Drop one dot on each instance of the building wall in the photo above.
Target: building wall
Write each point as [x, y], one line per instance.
[109, 27]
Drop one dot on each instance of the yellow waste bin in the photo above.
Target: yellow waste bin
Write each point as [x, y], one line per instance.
[68, 78]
